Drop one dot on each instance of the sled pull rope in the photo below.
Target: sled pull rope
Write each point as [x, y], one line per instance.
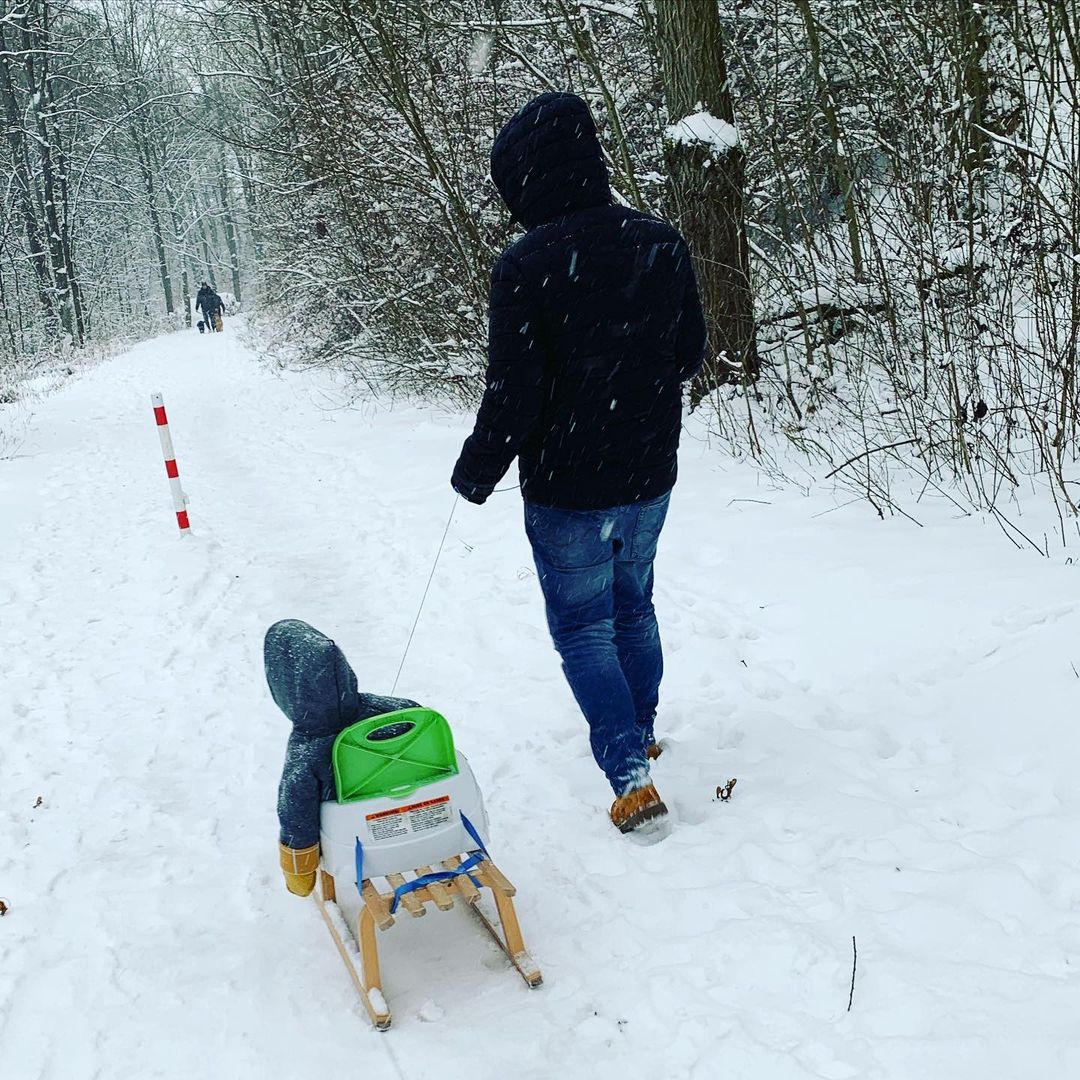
[423, 599]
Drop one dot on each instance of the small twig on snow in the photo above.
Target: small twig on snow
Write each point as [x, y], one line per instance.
[854, 962]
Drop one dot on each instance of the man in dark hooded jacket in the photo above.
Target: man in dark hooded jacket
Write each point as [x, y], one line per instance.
[211, 305]
[314, 686]
[202, 299]
[594, 325]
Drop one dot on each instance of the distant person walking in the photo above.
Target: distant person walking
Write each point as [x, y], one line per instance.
[594, 324]
[211, 306]
[202, 298]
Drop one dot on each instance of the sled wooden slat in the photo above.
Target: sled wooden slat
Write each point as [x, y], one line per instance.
[440, 895]
[469, 892]
[377, 905]
[410, 901]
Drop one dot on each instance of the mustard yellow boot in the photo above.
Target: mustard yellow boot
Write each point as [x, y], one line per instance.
[299, 865]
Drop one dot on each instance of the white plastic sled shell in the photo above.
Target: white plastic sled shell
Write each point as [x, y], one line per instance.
[400, 834]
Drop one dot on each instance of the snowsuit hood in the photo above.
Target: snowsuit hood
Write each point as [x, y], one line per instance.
[310, 679]
[547, 160]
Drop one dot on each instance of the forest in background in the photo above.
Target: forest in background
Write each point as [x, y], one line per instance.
[889, 250]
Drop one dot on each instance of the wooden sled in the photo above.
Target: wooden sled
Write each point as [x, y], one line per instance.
[375, 913]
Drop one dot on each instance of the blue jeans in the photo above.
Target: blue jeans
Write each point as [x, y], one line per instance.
[596, 572]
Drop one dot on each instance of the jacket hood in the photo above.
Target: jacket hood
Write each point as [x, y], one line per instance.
[547, 161]
[309, 678]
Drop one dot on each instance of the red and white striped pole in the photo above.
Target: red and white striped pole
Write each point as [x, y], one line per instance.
[178, 497]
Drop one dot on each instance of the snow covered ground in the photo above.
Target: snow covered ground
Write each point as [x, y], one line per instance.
[898, 703]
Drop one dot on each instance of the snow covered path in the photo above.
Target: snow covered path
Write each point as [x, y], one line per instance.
[899, 705]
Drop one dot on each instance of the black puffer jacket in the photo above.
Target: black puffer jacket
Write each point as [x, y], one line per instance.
[594, 324]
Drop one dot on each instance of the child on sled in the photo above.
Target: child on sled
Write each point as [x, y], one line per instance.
[314, 686]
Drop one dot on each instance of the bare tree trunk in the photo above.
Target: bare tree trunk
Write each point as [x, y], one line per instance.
[36, 45]
[230, 230]
[207, 255]
[181, 254]
[127, 63]
[707, 181]
[247, 187]
[142, 155]
[844, 178]
[25, 194]
[974, 85]
[9, 320]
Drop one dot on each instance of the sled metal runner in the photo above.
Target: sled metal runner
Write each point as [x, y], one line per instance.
[375, 914]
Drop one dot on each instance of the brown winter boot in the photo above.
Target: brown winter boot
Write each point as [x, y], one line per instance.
[653, 751]
[632, 810]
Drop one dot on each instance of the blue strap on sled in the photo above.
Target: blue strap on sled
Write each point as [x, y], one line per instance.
[438, 875]
[474, 859]
[474, 834]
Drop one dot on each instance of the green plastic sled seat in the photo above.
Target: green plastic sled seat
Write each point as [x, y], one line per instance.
[393, 755]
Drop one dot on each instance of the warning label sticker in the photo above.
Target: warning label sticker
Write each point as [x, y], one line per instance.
[401, 821]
